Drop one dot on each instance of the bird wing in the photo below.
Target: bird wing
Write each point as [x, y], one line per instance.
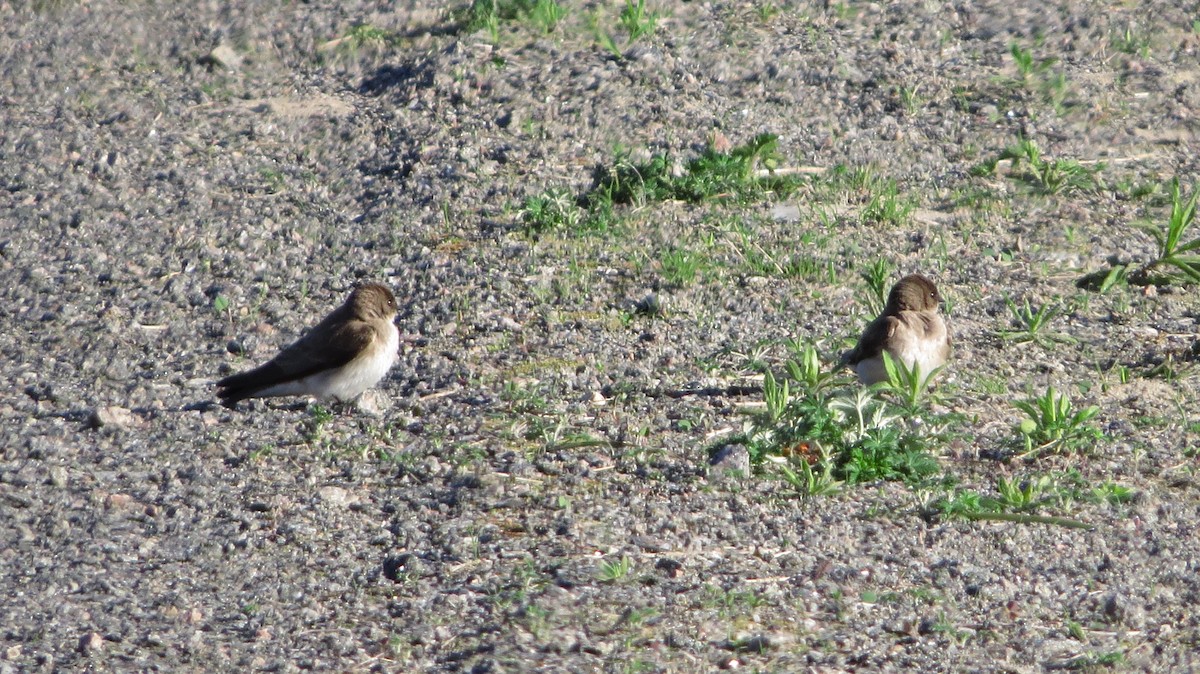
[324, 347]
[873, 339]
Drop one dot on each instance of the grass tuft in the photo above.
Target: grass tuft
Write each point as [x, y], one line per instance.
[1053, 425]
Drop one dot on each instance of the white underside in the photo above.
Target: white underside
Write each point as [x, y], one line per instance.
[928, 353]
[346, 382]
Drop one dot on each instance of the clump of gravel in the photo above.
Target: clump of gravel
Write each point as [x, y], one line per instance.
[186, 186]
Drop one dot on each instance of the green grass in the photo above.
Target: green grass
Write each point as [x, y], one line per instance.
[1131, 41]
[1029, 499]
[680, 267]
[909, 387]
[637, 21]
[740, 176]
[1052, 424]
[887, 206]
[876, 277]
[1027, 66]
[1045, 176]
[713, 176]
[1177, 260]
[819, 432]
[612, 571]
[553, 209]
[543, 16]
[1176, 253]
[1031, 325]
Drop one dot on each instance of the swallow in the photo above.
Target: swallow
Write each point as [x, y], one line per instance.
[344, 355]
[910, 329]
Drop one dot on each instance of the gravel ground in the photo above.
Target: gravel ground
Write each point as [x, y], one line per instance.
[188, 185]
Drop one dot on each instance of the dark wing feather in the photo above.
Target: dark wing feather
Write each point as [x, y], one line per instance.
[325, 347]
[873, 339]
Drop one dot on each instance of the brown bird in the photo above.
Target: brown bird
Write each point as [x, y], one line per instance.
[909, 329]
[344, 355]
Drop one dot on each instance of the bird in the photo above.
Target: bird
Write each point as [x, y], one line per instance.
[341, 357]
[910, 329]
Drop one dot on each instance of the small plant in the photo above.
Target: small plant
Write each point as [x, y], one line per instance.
[805, 370]
[809, 481]
[365, 36]
[887, 454]
[1130, 41]
[614, 570]
[553, 209]
[488, 15]
[910, 385]
[767, 11]
[1023, 495]
[1032, 325]
[776, 395]
[1112, 493]
[1026, 64]
[1173, 251]
[714, 175]
[877, 276]
[679, 267]
[1057, 176]
[638, 22]
[1092, 660]
[319, 416]
[360, 37]
[1053, 425]
[818, 442]
[546, 15]
[1017, 501]
[887, 207]
[910, 99]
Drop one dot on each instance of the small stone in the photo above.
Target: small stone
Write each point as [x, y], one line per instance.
[785, 213]
[224, 55]
[110, 415]
[672, 568]
[373, 403]
[117, 501]
[90, 643]
[731, 461]
[1121, 610]
[337, 496]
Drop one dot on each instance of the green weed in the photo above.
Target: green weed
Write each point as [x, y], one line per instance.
[824, 437]
[713, 176]
[1174, 252]
[877, 276]
[637, 21]
[1052, 424]
[488, 15]
[679, 267]
[1031, 325]
[1047, 176]
[909, 385]
[553, 209]
[1130, 41]
[612, 571]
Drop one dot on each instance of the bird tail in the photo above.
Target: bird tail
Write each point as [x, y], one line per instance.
[238, 387]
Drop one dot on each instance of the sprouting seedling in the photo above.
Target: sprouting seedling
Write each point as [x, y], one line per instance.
[1173, 249]
[877, 276]
[1031, 324]
[1053, 424]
